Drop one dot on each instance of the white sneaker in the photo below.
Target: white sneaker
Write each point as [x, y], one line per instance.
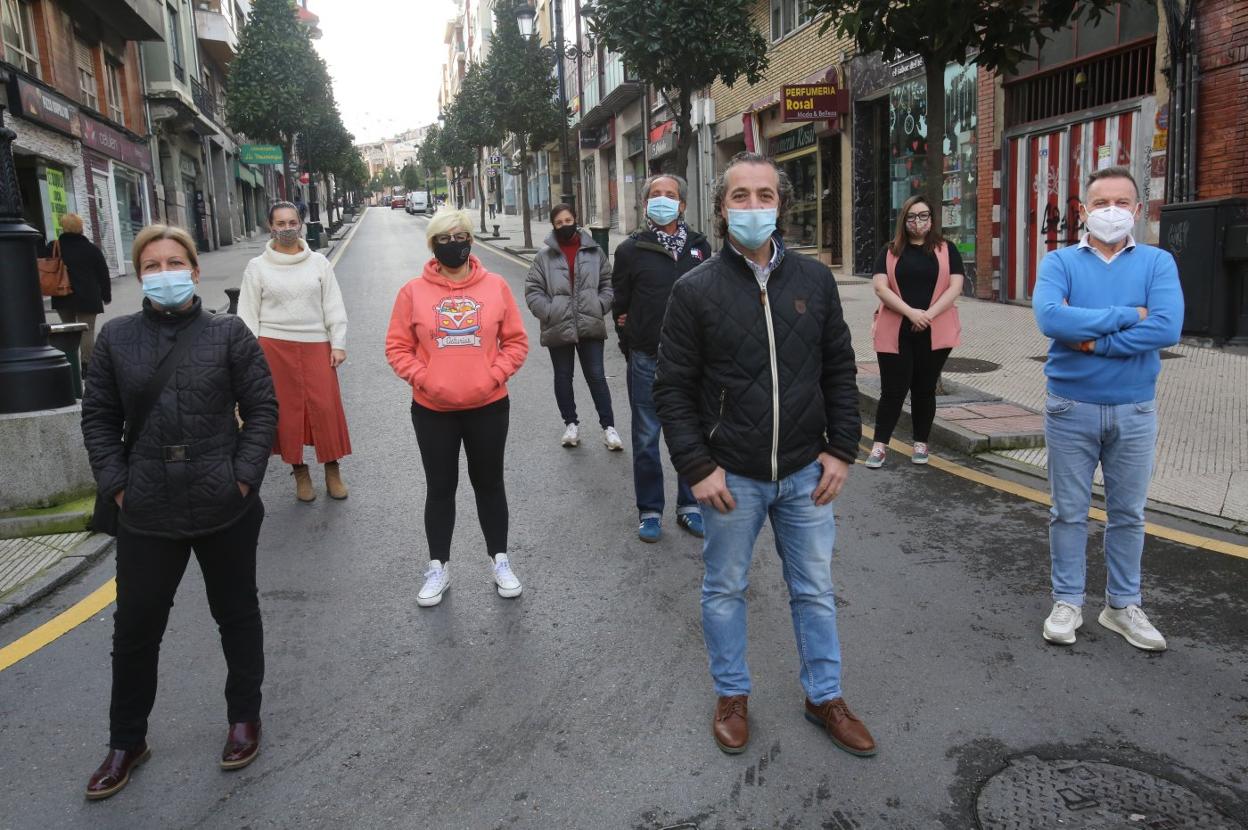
[1132, 623]
[508, 584]
[437, 580]
[612, 439]
[1062, 623]
[876, 459]
[571, 436]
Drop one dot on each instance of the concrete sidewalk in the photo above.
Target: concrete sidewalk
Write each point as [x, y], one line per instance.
[1202, 443]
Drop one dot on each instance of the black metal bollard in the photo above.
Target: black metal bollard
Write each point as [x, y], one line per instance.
[232, 293]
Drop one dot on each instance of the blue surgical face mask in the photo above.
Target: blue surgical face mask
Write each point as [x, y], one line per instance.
[169, 289]
[752, 228]
[662, 210]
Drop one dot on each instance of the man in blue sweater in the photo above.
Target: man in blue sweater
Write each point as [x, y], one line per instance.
[1110, 305]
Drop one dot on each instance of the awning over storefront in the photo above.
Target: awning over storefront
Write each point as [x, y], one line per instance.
[246, 175]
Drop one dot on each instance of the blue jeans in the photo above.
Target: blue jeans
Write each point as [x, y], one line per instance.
[1121, 437]
[563, 358]
[804, 537]
[647, 464]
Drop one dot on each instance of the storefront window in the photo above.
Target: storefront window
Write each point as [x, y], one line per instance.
[129, 206]
[908, 143]
[802, 224]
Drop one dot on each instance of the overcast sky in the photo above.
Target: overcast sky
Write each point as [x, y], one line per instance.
[385, 57]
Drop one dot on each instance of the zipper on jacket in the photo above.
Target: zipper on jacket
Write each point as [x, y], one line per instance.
[723, 393]
[775, 389]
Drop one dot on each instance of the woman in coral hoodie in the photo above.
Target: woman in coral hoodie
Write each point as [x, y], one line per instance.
[456, 336]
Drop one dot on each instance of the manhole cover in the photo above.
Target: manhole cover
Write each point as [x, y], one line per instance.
[970, 366]
[1034, 794]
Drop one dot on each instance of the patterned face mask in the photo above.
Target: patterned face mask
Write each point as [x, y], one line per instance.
[286, 236]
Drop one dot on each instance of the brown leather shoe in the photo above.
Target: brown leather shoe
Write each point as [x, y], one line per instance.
[242, 745]
[731, 726]
[113, 775]
[845, 730]
[333, 481]
[303, 483]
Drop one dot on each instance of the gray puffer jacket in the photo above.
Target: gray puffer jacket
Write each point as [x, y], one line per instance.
[567, 319]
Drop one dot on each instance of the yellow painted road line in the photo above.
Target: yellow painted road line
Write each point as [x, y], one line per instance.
[1183, 537]
[62, 623]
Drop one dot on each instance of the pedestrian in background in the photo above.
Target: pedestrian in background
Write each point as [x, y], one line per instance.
[568, 289]
[291, 301]
[456, 336]
[167, 449]
[1110, 305]
[647, 265]
[918, 278]
[90, 283]
[759, 401]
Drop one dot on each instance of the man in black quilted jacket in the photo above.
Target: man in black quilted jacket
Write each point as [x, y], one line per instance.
[757, 394]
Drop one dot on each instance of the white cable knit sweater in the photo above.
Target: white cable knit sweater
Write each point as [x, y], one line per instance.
[293, 297]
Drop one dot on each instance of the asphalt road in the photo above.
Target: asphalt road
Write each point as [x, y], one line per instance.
[585, 703]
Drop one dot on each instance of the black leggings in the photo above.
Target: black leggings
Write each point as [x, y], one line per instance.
[483, 432]
[148, 572]
[914, 369]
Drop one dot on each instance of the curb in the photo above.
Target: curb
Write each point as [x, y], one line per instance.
[68, 521]
[56, 575]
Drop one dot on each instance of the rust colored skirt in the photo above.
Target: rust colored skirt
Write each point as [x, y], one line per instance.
[309, 403]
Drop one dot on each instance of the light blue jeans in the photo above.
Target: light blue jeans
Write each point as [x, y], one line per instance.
[1121, 437]
[804, 537]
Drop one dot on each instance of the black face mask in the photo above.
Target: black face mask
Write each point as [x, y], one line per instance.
[565, 233]
[452, 254]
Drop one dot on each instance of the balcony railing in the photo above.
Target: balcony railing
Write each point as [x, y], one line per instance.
[203, 101]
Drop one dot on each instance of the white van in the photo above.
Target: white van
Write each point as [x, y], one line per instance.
[418, 202]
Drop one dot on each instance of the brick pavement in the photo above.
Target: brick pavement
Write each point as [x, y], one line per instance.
[1202, 443]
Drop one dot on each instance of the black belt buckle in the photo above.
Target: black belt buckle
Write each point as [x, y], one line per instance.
[175, 452]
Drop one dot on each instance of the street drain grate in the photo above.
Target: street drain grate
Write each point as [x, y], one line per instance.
[1035, 794]
[970, 366]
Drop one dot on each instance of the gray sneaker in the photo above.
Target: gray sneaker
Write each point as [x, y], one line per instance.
[876, 459]
[1132, 623]
[1062, 623]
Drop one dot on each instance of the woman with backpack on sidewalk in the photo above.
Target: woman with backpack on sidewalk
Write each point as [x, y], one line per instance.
[91, 284]
[918, 278]
[569, 291]
[175, 473]
[290, 300]
[456, 337]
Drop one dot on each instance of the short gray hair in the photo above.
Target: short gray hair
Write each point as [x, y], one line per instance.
[721, 191]
[682, 186]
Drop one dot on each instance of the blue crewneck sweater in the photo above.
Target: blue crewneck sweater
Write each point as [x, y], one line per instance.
[1080, 297]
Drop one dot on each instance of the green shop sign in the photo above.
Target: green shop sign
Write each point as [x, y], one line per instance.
[260, 154]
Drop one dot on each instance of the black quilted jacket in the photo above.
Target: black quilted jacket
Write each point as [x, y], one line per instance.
[643, 276]
[715, 390]
[198, 496]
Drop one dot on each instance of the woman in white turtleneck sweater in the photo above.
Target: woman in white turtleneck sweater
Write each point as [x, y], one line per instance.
[291, 302]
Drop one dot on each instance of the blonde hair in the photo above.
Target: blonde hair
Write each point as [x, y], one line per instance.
[71, 222]
[155, 233]
[448, 221]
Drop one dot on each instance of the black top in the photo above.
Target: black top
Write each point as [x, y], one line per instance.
[642, 277]
[917, 271]
[88, 275]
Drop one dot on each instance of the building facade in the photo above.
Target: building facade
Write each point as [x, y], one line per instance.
[73, 92]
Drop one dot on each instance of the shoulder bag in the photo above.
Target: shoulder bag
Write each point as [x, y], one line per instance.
[53, 275]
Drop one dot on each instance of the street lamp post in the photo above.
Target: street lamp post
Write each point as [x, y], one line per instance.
[525, 15]
[33, 375]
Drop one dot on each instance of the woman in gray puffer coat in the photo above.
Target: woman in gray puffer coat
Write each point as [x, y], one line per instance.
[569, 291]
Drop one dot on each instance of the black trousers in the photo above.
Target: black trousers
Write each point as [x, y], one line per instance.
[563, 359]
[483, 433]
[149, 570]
[914, 369]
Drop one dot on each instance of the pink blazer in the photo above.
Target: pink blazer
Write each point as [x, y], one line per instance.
[946, 328]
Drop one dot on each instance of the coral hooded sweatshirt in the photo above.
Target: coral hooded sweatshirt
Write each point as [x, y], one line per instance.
[456, 343]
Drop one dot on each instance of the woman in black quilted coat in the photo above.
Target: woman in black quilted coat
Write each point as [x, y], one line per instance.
[190, 481]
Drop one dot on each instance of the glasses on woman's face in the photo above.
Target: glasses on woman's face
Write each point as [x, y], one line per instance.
[444, 238]
[918, 218]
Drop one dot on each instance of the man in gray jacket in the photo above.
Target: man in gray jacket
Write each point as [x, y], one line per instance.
[569, 291]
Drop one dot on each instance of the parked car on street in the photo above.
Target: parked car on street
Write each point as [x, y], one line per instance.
[418, 202]
[398, 203]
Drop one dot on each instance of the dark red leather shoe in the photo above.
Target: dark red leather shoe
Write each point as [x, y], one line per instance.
[114, 774]
[242, 745]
